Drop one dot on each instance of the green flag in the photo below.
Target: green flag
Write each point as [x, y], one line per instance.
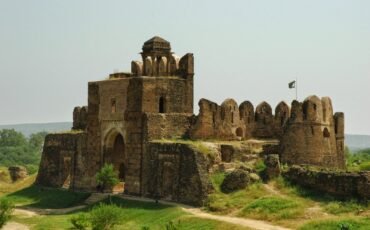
[292, 85]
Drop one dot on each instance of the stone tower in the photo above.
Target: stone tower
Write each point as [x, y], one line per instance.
[161, 83]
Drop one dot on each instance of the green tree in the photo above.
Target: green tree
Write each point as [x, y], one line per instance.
[11, 138]
[107, 178]
[6, 210]
[36, 140]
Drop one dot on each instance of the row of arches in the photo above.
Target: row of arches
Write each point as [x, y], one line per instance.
[156, 66]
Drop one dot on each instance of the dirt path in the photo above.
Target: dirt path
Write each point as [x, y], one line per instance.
[15, 226]
[250, 223]
[30, 212]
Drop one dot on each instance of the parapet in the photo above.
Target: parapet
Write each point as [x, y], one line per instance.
[229, 121]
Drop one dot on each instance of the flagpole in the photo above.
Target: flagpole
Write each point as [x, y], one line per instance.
[296, 89]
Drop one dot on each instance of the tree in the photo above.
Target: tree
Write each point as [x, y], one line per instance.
[6, 209]
[36, 140]
[11, 138]
[107, 178]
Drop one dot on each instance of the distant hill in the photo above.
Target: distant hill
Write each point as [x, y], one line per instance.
[28, 129]
[356, 142]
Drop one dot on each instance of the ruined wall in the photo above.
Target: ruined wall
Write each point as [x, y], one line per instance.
[232, 122]
[344, 184]
[176, 172]
[310, 135]
[62, 161]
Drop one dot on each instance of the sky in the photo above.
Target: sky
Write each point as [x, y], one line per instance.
[246, 50]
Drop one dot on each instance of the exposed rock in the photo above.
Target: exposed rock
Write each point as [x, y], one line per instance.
[17, 173]
[254, 177]
[235, 180]
[272, 166]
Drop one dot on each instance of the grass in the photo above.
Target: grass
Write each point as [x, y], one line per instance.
[136, 215]
[40, 197]
[198, 146]
[339, 207]
[7, 187]
[272, 208]
[342, 224]
[222, 203]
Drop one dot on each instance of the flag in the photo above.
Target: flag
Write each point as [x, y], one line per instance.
[292, 85]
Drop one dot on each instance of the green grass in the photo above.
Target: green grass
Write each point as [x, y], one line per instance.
[339, 207]
[135, 216]
[40, 197]
[342, 224]
[7, 187]
[270, 208]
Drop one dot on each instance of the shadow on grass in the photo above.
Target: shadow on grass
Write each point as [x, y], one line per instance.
[129, 204]
[42, 197]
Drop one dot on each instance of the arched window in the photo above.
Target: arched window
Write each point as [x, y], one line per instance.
[239, 132]
[326, 133]
[162, 105]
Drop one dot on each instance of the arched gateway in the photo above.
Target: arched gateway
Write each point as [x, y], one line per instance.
[114, 153]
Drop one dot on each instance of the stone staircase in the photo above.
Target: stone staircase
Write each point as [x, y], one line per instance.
[95, 197]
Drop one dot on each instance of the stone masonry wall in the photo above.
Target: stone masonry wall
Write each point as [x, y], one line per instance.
[168, 126]
[176, 172]
[343, 184]
[62, 160]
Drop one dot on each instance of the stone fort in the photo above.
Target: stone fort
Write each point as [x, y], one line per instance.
[142, 122]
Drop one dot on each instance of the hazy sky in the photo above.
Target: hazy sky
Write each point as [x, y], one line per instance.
[247, 50]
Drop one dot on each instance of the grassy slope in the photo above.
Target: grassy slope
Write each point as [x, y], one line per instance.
[284, 204]
[136, 215]
[40, 197]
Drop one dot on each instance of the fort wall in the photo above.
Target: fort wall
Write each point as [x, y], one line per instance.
[343, 184]
[63, 160]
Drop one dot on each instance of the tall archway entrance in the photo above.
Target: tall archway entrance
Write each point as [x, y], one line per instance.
[115, 154]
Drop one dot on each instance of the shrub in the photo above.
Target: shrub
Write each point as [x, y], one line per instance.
[365, 166]
[6, 209]
[104, 216]
[107, 177]
[81, 221]
[260, 166]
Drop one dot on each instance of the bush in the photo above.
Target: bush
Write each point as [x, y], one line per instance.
[80, 222]
[107, 177]
[104, 216]
[6, 209]
[260, 166]
[365, 166]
